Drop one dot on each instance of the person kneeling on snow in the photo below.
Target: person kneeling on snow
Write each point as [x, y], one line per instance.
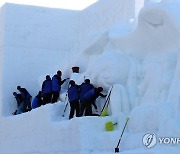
[37, 101]
[20, 104]
[73, 95]
[26, 97]
[90, 98]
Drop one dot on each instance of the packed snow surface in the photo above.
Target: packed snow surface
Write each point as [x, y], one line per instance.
[142, 62]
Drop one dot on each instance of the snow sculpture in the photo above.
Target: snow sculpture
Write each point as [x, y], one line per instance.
[144, 66]
[159, 86]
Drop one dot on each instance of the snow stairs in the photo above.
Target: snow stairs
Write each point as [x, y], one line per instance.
[44, 130]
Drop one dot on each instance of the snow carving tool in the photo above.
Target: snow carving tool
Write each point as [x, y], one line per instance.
[117, 147]
[66, 104]
[110, 126]
[104, 110]
[66, 100]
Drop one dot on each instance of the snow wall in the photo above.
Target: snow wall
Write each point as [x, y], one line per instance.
[96, 18]
[36, 41]
[1, 51]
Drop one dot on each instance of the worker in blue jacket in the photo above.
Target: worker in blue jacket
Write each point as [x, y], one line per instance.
[47, 90]
[90, 97]
[73, 95]
[56, 86]
[37, 101]
[20, 104]
[26, 97]
[84, 88]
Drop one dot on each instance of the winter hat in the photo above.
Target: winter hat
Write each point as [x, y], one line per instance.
[75, 69]
[14, 93]
[59, 73]
[100, 89]
[18, 87]
[87, 81]
[71, 82]
[48, 77]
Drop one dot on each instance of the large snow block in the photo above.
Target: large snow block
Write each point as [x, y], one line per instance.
[2, 24]
[40, 131]
[39, 27]
[34, 41]
[102, 16]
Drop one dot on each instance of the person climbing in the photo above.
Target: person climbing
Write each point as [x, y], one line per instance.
[26, 97]
[20, 104]
[37, 101]
[47, 90]
[90, 97]
[73, 95]
[84, 88]
[56, 86]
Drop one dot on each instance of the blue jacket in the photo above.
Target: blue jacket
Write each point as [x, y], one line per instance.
[56, 83]
[47, 87]
[25, 94]
[73, 93]
[92, 95]
[36, 102]
[84, 88]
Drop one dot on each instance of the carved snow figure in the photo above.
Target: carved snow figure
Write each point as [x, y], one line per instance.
[143, 63]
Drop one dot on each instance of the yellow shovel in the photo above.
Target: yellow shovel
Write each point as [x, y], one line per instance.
[110, 126]
[104, 113]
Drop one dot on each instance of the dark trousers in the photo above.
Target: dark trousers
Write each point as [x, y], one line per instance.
[47, 98]
[82, 108]
[74, 107]
[27, 104]
[88, 107]
[55, 96]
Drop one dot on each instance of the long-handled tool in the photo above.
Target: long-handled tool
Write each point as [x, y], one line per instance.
[66, 104]
[104, 111]
[66, 100]
[117, 147]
